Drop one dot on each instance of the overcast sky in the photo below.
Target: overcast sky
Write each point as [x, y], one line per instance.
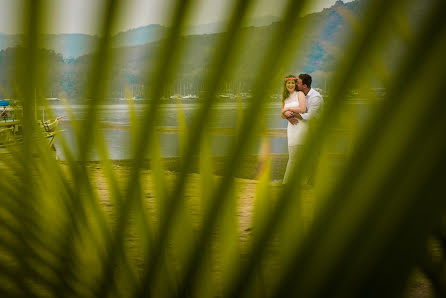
[82, 16]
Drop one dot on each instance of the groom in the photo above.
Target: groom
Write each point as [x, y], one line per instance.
[313, 100]
[314, 104]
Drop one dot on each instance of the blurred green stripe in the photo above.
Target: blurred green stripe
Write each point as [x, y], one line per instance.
[163, 69]
[98, 77]
[213, 80]
[28, 83]
[85, 139]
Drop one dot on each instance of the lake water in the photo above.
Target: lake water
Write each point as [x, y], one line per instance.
[116, 118]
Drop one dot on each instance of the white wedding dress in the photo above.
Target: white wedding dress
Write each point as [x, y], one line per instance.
[296, 133]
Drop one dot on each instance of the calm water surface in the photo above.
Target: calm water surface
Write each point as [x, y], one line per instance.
[117, 134]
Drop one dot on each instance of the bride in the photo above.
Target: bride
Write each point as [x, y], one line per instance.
[293, 102]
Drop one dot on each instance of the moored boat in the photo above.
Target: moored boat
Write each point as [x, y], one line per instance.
[11, 133]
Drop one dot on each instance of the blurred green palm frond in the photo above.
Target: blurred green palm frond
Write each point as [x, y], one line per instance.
[372, 225]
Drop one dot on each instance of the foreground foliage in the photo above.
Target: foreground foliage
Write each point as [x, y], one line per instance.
[370, 222]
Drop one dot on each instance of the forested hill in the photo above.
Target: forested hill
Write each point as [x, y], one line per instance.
[74, 45]
[68, 45]
[319, 43]
[327, 29]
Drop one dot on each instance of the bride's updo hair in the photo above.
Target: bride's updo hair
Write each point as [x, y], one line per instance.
[285, 92]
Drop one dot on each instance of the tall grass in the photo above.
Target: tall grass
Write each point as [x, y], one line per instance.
[69, 230]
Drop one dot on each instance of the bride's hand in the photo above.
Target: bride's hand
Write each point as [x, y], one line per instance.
[288, 114]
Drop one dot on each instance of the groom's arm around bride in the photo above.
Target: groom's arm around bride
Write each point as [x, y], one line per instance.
[313, 99]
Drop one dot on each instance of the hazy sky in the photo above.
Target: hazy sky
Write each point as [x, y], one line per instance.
[82, 16]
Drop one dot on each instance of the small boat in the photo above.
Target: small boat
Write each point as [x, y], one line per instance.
[10, 130]
[190, 96]
[11, 133]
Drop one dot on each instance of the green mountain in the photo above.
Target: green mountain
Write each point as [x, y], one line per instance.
[319, 48]
[74, 45]
[219, 27]
[139, 36]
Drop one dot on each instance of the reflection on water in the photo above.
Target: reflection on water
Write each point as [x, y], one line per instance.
[117, 134]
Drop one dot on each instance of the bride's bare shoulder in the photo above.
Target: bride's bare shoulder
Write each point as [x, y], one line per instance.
[300, 94]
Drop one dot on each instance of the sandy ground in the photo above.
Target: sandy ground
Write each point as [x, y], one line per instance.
[418, 287]
[245, 193]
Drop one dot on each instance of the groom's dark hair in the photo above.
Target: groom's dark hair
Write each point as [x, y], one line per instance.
[306, 79]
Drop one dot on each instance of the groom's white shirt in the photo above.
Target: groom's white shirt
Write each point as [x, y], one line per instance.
[314, 103]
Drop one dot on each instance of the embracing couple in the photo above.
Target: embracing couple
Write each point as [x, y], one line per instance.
[300, 104]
